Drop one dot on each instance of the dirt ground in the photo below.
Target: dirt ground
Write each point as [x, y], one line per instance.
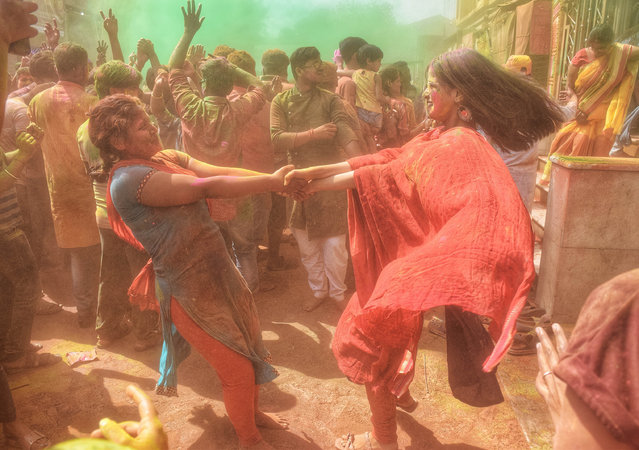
[320, 404]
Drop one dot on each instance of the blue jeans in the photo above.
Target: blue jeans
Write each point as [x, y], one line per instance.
[246, 231]
[85, 275]
[120, 264]
[19, 292]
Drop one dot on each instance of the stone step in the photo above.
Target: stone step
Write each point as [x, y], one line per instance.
[541, 163]
[538, 215]
[541, 190]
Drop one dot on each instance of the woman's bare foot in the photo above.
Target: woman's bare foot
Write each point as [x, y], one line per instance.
[271, 421]
[361, 441]
[262, 445]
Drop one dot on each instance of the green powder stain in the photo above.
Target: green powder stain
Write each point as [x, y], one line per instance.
[251, 25]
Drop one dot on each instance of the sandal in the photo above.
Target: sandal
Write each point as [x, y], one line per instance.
[34, 441]
[524, 344]
[531, 310]
[44, 307]
[312, 303]
[408, 406]
[31, 361]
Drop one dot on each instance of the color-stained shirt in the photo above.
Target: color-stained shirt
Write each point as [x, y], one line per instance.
[323, 214]
[366, 97]
[60, 111]
[254, 137]
[90, 156]
[210, 124]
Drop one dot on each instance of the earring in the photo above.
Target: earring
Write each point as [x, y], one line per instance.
[464, 114]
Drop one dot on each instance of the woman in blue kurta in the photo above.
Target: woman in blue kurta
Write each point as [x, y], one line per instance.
[157, 200]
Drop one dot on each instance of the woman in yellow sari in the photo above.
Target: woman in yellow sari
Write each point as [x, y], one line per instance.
[602, 76]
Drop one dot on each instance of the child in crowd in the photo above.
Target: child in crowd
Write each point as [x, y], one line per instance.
[370, 97]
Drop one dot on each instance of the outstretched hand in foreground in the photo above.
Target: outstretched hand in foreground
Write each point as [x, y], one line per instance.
[147, 434]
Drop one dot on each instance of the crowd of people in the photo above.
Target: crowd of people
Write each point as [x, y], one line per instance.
[159, 198]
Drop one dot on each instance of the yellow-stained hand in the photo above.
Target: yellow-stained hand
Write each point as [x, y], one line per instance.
[34, 130]
[551, 388]
[27, 144]
[147, 434]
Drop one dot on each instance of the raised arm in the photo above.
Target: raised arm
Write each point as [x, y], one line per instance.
[147, 49]
[110, 24]
[192, 23]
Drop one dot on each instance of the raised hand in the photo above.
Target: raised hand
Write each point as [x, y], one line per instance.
[192, 21]
[102, 47]
[325, 132]
[146, 46]
[147, 434]
[102, 51]
[110, 23]
[195, 54]
[143, 52]
[52, 34]
[16, 20]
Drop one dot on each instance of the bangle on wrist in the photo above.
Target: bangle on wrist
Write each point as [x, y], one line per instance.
[11, 175]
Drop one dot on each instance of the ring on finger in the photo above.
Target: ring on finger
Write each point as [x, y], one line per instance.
[549, 372]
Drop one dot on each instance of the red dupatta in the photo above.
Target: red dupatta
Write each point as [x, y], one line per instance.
[438, 222]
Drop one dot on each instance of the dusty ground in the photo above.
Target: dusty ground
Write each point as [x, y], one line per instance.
[64, 402]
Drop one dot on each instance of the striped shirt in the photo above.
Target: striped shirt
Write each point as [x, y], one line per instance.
[10, 217]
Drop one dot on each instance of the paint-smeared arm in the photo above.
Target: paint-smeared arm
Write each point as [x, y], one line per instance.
[165, 189]
[192, 23]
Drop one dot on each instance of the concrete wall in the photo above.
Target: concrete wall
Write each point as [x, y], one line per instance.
[591, 232]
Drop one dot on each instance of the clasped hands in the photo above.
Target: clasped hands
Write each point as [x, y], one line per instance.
[294, 183]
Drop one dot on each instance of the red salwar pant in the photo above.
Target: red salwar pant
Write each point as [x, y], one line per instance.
[235, 371]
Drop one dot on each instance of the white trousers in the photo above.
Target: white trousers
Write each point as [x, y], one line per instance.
[325, 261]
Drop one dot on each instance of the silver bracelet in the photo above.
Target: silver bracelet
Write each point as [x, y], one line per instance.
[11, 175]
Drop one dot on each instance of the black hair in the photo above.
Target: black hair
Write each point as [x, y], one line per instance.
[301, 56]
[151, 74]
[602, 33]
[367, 53]
[513, 110]
[42, 66]
[69, 56]
[349, 46]
[388, 75]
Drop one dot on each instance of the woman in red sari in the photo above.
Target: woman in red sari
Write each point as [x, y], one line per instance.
[438, 222]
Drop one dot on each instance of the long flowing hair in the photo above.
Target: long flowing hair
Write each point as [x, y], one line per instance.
[512, 109]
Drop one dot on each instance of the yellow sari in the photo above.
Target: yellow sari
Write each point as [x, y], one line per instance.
[604, 88]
